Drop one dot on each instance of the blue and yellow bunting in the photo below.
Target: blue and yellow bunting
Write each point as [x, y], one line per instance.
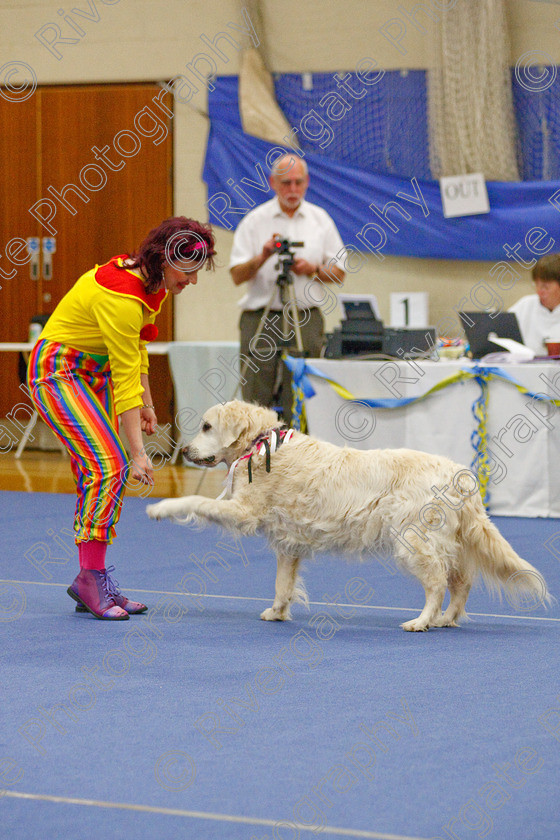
[303, 389]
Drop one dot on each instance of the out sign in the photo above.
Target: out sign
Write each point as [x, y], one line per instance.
[464, 195]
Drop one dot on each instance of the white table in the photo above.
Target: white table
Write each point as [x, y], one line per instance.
[24, 347]
[16, 346]
[525, 449]
[154, 348]
[203, 372]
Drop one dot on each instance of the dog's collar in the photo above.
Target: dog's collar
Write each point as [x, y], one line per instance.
[267, 443]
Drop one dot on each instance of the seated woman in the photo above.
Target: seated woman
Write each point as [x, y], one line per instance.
[539, 314]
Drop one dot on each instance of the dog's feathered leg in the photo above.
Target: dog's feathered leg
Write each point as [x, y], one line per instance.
[289, 587]
[459, 585]
[435, 583]
[225, 513]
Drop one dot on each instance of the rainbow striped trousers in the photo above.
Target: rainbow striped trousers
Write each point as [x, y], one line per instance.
[73, 393]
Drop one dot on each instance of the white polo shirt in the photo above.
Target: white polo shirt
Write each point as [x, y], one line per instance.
[311, 225]
[537, 323]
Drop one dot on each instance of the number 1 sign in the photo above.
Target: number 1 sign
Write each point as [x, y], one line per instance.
[409, 309]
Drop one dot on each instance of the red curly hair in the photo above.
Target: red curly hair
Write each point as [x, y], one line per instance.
[179, 241]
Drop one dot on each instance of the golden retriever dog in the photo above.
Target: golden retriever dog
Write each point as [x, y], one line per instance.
[307, 496]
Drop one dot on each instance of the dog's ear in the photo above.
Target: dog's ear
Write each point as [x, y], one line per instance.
[233, 432]
[242, 422]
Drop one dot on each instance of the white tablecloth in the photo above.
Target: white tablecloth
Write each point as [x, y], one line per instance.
[204, 373]
[524, 448]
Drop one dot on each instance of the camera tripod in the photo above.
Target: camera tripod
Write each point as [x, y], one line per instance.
[289, 316]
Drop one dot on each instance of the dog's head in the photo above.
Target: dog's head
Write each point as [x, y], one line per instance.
[228, 431]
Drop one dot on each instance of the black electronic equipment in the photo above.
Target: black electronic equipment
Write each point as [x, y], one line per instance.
[360, 333]
[286, 257]
[479, 325]
[410, 342]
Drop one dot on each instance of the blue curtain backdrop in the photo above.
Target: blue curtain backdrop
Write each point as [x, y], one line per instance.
[373, 150]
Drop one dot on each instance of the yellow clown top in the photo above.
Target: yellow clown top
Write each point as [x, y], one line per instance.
[103, 314]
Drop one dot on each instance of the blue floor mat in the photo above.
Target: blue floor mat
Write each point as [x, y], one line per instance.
[199, 720]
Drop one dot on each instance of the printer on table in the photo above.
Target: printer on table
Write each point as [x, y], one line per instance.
[361, 333]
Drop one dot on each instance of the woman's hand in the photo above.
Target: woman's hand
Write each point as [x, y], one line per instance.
[148, 420]
[140, 465]
[141, 468]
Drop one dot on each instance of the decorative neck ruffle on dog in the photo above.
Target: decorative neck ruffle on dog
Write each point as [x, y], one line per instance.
[266, 443]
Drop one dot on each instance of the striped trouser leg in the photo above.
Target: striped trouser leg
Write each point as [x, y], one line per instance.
[73, 394]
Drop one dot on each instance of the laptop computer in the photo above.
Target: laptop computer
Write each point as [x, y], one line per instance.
[478, 325]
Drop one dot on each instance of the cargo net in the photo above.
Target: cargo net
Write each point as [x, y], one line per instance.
[381, 127]
[536, 94]
[471, 118]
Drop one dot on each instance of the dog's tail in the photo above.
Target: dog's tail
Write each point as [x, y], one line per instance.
[502, 568]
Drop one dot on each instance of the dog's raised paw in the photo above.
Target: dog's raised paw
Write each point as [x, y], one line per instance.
[159, 510]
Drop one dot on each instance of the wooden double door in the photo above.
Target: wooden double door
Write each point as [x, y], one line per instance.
[86, 173]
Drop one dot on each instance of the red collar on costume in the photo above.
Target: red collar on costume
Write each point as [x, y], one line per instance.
[126, 283]
[267, 442]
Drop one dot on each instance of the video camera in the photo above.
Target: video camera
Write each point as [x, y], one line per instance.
[283, 248]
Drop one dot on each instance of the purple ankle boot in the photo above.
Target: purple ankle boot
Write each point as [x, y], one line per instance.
[130, 607]
[92, 590]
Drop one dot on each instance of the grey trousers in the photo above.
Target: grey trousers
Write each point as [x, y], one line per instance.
[266, 379]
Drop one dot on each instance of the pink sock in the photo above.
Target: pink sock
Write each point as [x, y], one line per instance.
[92, 555]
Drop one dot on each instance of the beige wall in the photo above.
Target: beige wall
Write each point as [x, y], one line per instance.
[137, 40]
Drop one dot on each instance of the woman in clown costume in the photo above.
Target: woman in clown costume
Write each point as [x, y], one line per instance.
[89, 368]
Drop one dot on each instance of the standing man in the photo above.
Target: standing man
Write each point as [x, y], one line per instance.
[539, 314]
[287, 216]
